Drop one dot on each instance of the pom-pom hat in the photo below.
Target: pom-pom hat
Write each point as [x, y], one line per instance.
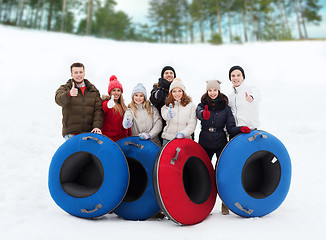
[114, 83]
[177, 83]
[139, 88]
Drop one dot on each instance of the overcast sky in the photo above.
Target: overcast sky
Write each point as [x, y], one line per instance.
[138, 11]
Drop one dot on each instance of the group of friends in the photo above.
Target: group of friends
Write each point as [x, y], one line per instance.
[167, 114]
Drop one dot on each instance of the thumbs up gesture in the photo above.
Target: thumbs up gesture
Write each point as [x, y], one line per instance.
[206, 113]
[111, 102]
[73, 91]
[171, 112]
[249, 98]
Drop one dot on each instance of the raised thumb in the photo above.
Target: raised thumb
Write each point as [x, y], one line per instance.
[206, 108]
[170, 105]
[246, 94]
[112, 97]
[73, 84]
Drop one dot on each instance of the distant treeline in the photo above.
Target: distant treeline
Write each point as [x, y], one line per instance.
[169, 21]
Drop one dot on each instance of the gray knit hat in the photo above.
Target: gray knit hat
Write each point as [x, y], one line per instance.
[177, 83]
[139, 88]
[213, 84]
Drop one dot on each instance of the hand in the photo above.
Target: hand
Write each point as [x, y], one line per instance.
[163, 83]
[73, 91]
[249, 98]
[96, 130]
[159, 94]
[245, 129]
[144, 136]
[127, 123]
[111, 102]
[179, 135]
[171, 112]
[206, 113]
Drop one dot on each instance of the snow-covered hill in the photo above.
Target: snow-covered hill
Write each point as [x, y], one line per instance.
[291, 79]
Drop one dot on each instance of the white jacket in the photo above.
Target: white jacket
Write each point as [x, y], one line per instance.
[144, 122]
[184, 121]
[245, 113]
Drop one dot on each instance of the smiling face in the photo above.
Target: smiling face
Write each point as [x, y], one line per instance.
[236, 78]
[212, 93]
[177, 93]
[139, 98]
[78, 74]
[116, 92]
[168, 75]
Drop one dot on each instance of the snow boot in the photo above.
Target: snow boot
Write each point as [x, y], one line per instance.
[224, 209]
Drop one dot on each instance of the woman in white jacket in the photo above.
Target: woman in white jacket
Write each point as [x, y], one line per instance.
[143, 118]
[243, 100]
[179, 113]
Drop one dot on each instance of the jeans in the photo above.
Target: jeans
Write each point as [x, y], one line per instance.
[68, 136]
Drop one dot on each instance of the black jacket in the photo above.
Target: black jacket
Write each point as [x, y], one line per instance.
[162, 85]
[212, 135]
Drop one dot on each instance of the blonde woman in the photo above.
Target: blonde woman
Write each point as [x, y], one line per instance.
[142, 117]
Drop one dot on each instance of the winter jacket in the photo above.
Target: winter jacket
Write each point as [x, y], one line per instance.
[212, 135]
[145, 123]
[81, 113]
[164, 85]
[112, 124]
[245, 113]
[184, 121]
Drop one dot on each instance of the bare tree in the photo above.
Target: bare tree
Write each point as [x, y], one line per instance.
[63, 15]
[89, 17]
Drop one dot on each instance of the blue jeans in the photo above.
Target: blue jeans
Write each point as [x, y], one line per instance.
[68, 136]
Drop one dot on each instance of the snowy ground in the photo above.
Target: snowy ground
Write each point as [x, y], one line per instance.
[33, 65]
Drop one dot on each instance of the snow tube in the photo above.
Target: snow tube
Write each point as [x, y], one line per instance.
[140, 202]
[253, 174]
[184, 182]
[88, 175]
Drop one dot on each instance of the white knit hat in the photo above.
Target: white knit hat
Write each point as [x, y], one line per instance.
[139, 88]
[213, 84]
[177, 83]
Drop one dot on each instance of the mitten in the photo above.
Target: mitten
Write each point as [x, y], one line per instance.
[144, 136]
[179, 135]
[159, 94]
[245, 129]
[127, 123]
[164, 83]
[206, 113]
[111, 102]
[171, 112]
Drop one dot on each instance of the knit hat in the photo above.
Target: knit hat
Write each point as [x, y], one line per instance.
[114, 83]
[213, 84]
[177, 83]
[168, 68]
[139, 88]
[234, 68]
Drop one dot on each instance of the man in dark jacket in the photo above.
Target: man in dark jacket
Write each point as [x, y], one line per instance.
[81, 104]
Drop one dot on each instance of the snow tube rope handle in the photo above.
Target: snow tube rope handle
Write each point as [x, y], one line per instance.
[135, 144]
[254, 136]
[97, 207]
[93, 138]
[238, 205]
[176, 156]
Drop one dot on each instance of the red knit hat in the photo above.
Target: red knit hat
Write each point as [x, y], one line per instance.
[114, 83]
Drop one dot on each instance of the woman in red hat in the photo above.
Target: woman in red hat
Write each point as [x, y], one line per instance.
[114, 108]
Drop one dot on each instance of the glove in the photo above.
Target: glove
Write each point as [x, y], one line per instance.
[127, 123]
[171, 112]
[159, 94]
[111, 102]
[206, 113]
[179, 135]
[164, 83]
[245, 129]
[144, 136]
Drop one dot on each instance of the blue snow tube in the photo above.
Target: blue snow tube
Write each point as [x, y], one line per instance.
[140, 202]
[88, 175]
[253, 174]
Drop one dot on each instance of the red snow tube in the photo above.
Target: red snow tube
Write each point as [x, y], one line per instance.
[184, 182]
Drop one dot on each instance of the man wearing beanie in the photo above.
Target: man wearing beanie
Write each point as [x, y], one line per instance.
[81, 104]
[160, 90]
[243, 100]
